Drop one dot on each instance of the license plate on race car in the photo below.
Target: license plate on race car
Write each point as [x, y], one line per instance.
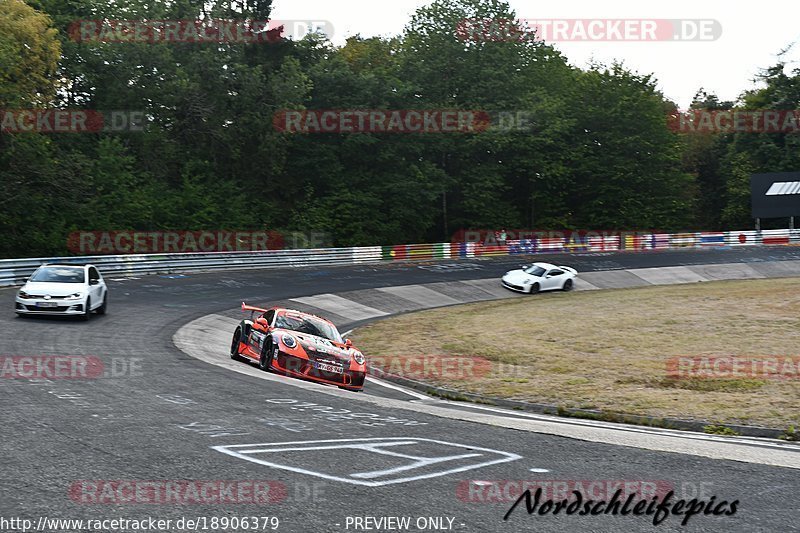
[328, 368]
[46, 304]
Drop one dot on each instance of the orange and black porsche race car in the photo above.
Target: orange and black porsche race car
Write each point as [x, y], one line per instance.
[298, 344]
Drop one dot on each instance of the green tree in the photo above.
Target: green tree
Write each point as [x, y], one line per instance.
[29, 53]
[746, 153]
[624, 160]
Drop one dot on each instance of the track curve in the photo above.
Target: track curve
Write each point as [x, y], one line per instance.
[169, 420]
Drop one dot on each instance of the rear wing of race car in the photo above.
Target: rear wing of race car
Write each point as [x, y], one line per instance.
[568, 269]
[252, 309]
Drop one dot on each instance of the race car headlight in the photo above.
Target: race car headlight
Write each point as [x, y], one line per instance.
[359, 357]
[289, 341]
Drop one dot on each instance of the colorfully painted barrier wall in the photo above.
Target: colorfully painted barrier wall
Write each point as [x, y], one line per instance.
[16, 271]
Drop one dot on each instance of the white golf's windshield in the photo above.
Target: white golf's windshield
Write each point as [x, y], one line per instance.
[59, 275]
[535, 271]
[309, 325]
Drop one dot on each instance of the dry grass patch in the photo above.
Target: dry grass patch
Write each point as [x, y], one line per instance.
[609, 349]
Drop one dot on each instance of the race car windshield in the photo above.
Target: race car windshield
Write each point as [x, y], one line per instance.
[59, 275]
[535, 271]
[309, 325]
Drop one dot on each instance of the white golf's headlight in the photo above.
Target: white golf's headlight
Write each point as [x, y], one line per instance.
[75, 296]
[288, 340]
[359, 357]
[23, 294]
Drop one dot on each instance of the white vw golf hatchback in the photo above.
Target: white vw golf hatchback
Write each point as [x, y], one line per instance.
[63, 290]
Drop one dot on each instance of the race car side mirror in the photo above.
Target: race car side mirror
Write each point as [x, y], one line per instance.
[348, 343]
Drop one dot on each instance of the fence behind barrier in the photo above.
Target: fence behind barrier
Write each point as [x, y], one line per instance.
[16, 271]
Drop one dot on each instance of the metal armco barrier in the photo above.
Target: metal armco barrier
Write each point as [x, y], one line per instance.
[16, 271]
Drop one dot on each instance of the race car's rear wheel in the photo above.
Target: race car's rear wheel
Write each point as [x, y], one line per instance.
[267, 353]
[534, 289]
[237, 338]
[567, 285]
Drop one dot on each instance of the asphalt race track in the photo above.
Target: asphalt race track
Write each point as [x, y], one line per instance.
[158, 415]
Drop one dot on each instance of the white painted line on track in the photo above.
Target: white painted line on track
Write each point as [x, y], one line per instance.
[422, 463]
[397, 388]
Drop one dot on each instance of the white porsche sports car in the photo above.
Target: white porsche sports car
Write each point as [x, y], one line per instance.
[537, 277]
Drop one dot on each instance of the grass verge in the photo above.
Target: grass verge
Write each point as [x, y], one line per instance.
[608, 350]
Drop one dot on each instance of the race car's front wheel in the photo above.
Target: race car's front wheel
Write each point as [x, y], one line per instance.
[102, 309]
[237, 338]
[87, 312]
[534, 289]
[269, 351]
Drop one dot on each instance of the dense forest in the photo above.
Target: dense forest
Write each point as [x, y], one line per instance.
[597, 152]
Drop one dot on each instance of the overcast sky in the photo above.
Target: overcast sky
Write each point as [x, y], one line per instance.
[752, 35]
